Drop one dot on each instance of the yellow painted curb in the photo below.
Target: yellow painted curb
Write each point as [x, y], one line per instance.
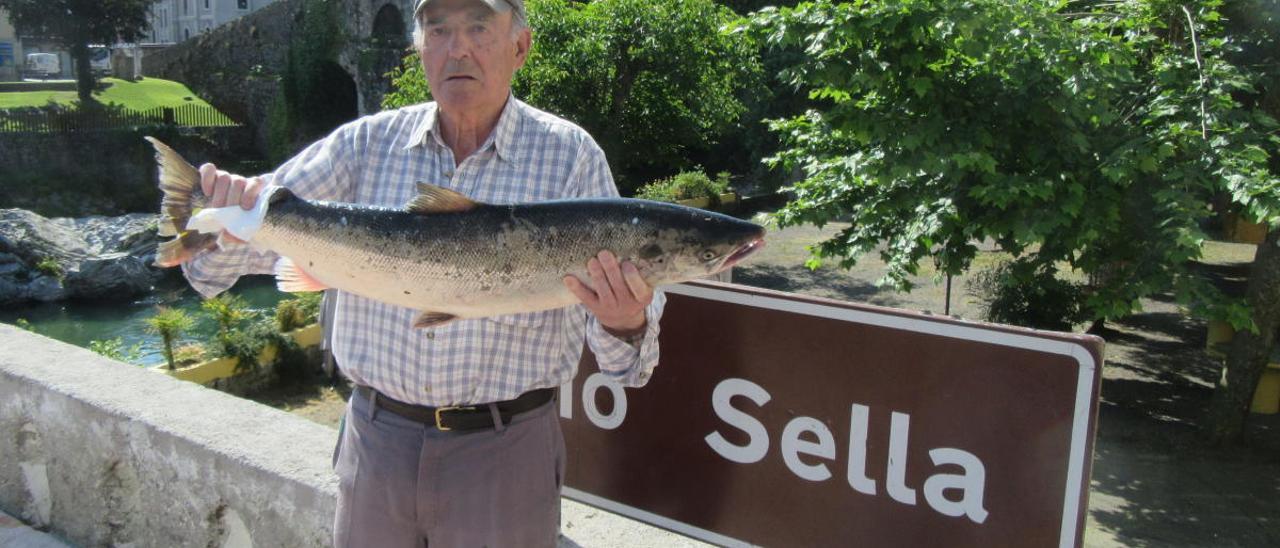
[1239, 230]
[1219, 334]
[221, 368]
[1266, 398]
[203, 372]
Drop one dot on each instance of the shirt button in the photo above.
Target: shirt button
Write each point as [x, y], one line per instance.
[426, 389]
[448, 175]
[431, 335]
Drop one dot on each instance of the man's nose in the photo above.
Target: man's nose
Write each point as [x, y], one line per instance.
[458, 46]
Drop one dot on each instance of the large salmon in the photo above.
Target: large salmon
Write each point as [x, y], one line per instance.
[446, 255]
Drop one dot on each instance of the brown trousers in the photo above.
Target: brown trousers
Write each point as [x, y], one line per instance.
[405, 484]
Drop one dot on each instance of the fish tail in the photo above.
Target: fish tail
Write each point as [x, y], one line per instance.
[179, 183]
[181, 249]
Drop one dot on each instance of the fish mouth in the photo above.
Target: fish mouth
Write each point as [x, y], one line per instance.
[743, 251]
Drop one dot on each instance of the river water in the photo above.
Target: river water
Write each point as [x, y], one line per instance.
[79, 323]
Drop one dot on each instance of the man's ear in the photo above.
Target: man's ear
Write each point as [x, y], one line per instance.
[524, 40]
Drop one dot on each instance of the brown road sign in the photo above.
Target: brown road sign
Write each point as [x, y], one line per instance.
[781, 420]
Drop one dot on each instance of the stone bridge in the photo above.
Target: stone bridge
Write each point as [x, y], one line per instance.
[237, 67]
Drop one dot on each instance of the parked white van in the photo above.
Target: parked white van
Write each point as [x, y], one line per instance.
[43, 65]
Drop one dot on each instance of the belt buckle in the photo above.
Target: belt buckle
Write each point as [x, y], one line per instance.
[440, 426]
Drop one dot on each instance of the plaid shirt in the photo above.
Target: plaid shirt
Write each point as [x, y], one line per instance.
[530, 156]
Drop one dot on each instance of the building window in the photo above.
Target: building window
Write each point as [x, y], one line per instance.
[242, 4]
[206, 4]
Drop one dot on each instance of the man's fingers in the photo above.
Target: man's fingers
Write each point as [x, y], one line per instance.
[252, 188]
[221, 186]
[639, 288]
[581, 291]
[208, 173]
[609, 262]
[236, 194]
[601, 283]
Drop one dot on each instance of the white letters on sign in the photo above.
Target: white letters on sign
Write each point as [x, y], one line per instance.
[969, 485]
[808, 459]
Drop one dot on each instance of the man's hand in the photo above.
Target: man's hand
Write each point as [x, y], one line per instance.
[620, 294]
[225, 189]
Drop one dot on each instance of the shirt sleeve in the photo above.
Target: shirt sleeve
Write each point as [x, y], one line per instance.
[630, 363]
[323, 171]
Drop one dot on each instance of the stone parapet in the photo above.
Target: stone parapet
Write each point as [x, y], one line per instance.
[105, 453]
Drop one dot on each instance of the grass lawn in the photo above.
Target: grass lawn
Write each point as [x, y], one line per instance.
[144, 94]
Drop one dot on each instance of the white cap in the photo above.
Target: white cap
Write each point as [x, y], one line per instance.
[516, 5]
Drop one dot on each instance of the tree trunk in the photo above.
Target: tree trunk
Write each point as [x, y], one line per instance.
[84, 73]
[1249, 353]
[168, 349]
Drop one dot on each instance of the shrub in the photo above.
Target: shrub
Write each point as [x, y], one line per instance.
[228, 311]
[189, 353]
[1021, 294]
[115, 349]
[686, 185]
[50, 266]
[301, 310]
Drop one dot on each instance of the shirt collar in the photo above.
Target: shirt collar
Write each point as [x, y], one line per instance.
[503, 139]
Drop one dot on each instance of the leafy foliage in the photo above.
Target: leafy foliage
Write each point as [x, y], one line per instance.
[653, 82]
[169, 323]
[306, 107]
[301, 310]
[78, 23]
[115, 349]
[686, 185]
[1067, 139]
[229, 312]
[1048, 302]
[50, 266]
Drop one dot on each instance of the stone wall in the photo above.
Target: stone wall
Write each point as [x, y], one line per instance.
[237, 67]
[103, 172]
[108, 454]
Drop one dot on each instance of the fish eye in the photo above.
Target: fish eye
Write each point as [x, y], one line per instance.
[708, 254]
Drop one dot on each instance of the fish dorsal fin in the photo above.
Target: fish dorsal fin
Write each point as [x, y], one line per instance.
[434, 199]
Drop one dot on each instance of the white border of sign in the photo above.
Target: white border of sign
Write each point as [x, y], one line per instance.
[1079, 423]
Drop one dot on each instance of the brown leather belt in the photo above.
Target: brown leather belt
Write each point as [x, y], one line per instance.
[459, 417]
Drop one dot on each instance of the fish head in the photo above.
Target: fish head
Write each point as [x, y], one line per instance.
[687, 243]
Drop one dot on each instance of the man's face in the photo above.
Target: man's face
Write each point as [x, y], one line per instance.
[469, 54]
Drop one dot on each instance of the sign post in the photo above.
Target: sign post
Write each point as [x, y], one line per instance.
[781, 420]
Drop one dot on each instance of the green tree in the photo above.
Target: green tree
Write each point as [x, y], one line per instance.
[1087, 135]
[656, 83]
[1255, 26]
[76, 24]
[169, 323]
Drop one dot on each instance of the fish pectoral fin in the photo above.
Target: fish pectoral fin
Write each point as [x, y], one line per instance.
[292, 279]
[434, 199]
[432, 319]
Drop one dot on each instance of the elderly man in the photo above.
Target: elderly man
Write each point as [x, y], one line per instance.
[450, 437]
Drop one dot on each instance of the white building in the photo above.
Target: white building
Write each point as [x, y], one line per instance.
[177, 20]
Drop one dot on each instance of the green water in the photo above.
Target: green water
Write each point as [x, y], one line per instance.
[79, 323]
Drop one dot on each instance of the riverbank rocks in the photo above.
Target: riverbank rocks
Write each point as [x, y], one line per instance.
[88, 258]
